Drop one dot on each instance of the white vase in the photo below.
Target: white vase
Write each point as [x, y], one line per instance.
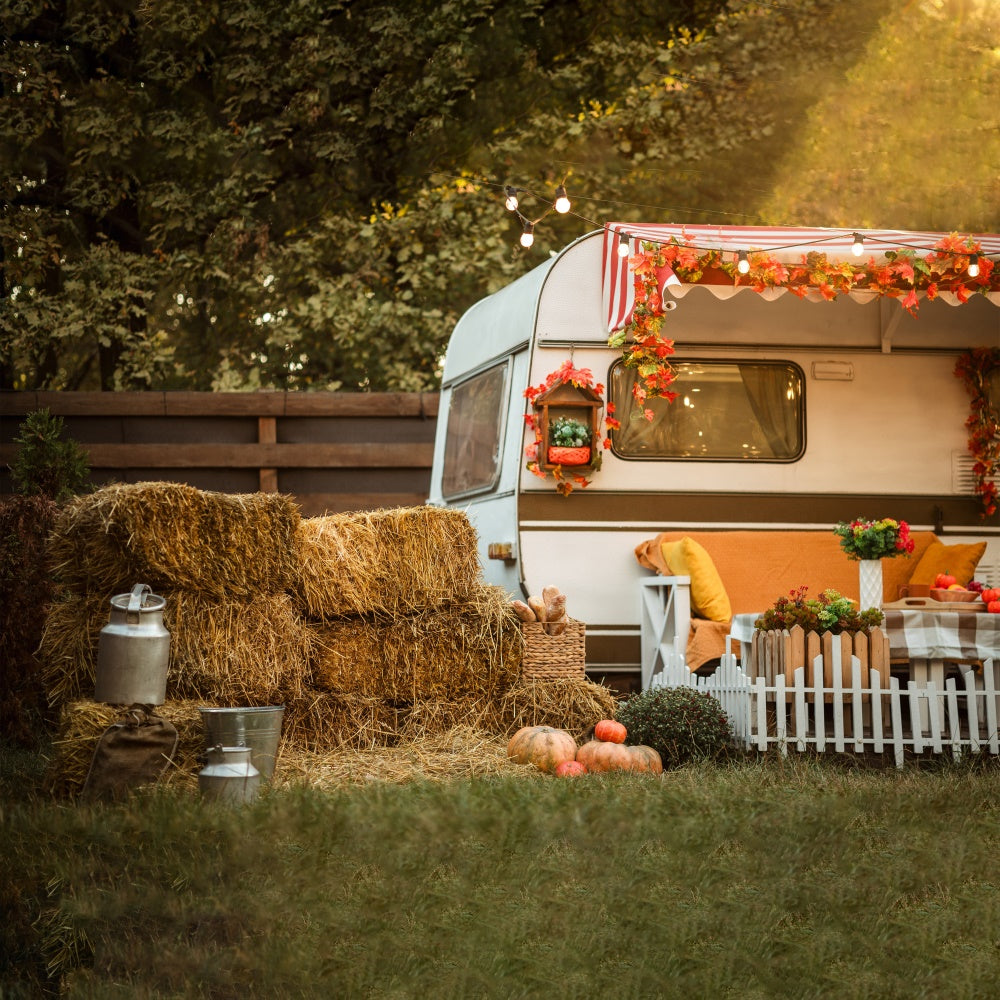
[870, 579]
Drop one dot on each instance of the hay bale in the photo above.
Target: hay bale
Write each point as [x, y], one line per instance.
[175, 537]
[81, 725]
[459, 752]
[321, 721]
[468, 649]
[227, 653]
[573, 704]
[388, 562]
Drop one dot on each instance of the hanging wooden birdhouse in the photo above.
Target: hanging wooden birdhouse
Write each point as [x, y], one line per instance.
[568, 419]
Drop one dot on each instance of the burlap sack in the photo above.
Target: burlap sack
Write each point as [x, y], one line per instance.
[134, 751]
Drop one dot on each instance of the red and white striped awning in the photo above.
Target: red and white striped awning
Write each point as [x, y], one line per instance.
[787, 244]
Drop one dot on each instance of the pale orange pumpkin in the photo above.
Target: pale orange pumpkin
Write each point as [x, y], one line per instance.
[543, 746]
[600, 756]
[610, 731]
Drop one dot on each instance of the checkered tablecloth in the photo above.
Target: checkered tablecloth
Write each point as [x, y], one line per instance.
[948, 635]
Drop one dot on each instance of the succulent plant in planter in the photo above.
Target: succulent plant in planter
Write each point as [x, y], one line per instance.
[680, 723]
[569, 442]
[566, 432]
[830, 612]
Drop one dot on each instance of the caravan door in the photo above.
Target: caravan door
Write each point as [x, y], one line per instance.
[477, 462]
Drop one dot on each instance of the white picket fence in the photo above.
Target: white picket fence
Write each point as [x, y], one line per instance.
[880, 715]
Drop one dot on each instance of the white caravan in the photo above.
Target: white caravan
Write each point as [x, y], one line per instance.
[794, 412]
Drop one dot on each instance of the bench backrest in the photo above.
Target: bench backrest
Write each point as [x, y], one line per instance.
[757, 567]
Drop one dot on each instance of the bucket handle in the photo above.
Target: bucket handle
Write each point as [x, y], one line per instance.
[136, 601]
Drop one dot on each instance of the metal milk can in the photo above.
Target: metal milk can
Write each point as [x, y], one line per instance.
[133, 650]
[229, 775]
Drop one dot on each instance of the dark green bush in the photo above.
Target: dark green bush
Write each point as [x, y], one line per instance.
[680, 723]
[46, 464]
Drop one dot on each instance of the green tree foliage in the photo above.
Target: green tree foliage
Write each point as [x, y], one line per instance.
[305, 194]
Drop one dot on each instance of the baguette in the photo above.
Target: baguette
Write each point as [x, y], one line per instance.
[523, 611]
[538, 606]
[555, 604]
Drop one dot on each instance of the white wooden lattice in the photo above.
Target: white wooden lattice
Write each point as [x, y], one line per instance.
[879, 715]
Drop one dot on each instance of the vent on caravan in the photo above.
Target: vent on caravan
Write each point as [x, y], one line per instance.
[962, 480]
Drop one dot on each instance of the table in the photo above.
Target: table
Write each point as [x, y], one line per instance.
[930, 639]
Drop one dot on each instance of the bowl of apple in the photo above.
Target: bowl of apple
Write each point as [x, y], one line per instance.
[955, 593]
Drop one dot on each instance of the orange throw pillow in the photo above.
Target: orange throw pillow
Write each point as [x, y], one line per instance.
[958, 560]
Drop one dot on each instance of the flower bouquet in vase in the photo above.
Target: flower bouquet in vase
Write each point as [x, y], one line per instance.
[869, 542]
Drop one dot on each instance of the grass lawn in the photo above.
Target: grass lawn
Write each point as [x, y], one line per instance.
[761, 879]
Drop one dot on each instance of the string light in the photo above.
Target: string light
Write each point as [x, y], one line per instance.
[562, 205]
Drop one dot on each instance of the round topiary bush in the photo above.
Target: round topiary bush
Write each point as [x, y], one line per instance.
[680, 723]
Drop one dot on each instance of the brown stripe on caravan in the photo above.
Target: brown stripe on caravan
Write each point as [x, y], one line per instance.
[666, 509]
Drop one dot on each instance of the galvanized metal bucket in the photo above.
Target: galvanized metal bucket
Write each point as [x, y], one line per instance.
[229, 775]
[133, 650]
[256, 728]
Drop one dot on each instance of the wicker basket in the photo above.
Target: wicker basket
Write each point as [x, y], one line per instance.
[552, 657]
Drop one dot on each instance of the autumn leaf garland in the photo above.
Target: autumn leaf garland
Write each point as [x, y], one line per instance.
[901, 275]
[975, 369]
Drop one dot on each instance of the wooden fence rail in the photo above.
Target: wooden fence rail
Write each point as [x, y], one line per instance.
[332, 451]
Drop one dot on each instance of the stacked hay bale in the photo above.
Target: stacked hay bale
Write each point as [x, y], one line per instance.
[224, 563]
[374, 629]
[409, 642]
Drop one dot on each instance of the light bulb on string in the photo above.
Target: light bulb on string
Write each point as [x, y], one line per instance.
[858, 247]
[623, 247]
[510, 198]
[743, 262]
[528, 236]
[562, 200]
[974, 265]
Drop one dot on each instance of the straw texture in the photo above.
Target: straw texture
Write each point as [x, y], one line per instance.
[389, 562]
[174, 536]
[229, 653]
[473, 648]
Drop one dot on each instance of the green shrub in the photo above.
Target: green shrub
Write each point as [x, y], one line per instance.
[45, 464]
[680, 723]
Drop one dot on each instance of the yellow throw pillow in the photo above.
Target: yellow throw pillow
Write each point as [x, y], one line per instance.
[958, 560]
[708, 595]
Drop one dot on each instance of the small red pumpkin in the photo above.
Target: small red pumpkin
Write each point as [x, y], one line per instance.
[543, 746]
[993, 607]
[990, 594]
[570, 769]
[610, 731]
[944, 580]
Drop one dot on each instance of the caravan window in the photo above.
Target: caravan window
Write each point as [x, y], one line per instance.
[732, 410]
[475, 428]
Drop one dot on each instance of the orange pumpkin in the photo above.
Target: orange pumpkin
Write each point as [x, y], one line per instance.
[600, 756]
[570, 769]
[646, 759]
[610, 731]
[543, 746]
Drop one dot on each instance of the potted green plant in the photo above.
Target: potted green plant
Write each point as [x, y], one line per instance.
[830, 612]
[569, 442]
